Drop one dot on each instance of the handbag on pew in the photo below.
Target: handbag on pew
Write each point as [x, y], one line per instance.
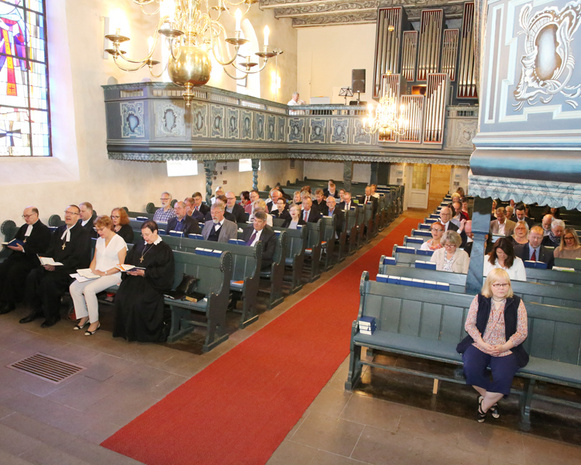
[185, 290]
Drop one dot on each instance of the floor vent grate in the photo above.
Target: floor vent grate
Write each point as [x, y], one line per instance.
[47, 368]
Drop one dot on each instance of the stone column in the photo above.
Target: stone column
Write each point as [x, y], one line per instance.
[374, 169]
[347, 174]
[209, 168]
[480, 227]
[255, 165]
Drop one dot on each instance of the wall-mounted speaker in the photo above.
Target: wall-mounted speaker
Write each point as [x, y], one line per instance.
[358, 80]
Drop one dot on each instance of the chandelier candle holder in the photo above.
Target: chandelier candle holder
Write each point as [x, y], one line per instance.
[191, 30]
[385, 118]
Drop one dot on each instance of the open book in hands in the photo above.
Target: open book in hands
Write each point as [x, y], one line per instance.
[14, 243]
[85, 274]
[125, 267]
[48, 261]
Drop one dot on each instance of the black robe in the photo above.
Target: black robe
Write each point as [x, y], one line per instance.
[139, 300]
[15, 268]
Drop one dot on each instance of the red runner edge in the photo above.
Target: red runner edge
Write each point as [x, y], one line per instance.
[241, 407]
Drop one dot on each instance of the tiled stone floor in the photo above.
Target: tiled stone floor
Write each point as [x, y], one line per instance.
[45, 423]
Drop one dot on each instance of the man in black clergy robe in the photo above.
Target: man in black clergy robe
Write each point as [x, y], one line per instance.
[182, 221]
[263, 233]
[45, 285]
[34, 238]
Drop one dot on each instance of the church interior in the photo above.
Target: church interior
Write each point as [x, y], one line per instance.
[488, 95]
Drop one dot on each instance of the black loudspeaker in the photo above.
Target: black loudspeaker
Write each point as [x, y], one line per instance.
[358, 80]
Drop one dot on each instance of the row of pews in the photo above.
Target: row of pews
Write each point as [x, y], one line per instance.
[420, 313]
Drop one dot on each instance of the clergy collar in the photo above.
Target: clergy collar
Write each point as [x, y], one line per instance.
[156, 242]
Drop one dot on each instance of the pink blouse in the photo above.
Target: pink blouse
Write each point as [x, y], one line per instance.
[494, 334]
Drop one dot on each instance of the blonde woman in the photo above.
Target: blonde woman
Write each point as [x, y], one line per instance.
[497, 326]
[569, 247]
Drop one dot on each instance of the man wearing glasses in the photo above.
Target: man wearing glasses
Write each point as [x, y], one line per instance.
[45, 285]
[166, 212]
[31, 239]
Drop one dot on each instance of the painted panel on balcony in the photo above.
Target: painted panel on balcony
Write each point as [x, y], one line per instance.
[169, 119]
[132, 120]
[199, 120]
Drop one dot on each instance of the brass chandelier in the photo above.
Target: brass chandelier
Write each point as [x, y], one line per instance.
[191, 30]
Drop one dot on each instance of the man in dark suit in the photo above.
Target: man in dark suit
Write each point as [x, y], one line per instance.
[219, 229]
[271, 201]
[200, 209]
[554, 237]
[309, 213]
[331, 209]
[534, 250]
[87, 217]
[182, 222]
[520, 215]
[346, 204]
[45, 285]
[235, 209]
[368, 197]
[445, 219]
[34, 238]
[263, 233]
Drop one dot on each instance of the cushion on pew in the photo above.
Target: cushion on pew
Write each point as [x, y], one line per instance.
[425, 265]
[196, 236]
[389, 261]
[176, 233]
[236, 241]
[427, 253]
[410, 250]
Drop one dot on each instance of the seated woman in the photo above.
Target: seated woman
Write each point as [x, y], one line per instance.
[320, 199]
[281, 210]
[245, 201]
[434, 243]
[297, 197]
[502, 256]
[570, 247]
[520, 236]
[450, 257]
[110, 250]
[139, 300]
[497, 326]
[121, 224]
[295, 217]
[260, 206]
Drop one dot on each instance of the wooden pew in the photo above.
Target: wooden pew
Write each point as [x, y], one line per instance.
[276, 273]
[246, 263]
[350, 222]
[295, 255]
[313, 249]
[428, 324]
[330, 243]
[214, 274]
[9, 229]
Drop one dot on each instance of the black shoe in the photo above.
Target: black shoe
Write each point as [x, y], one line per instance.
[49, 323]
[7, 307]
[92, 333]
[29, 318]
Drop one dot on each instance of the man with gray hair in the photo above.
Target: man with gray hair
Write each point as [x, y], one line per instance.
[219, 229]
[553, 239]
[166, 212]
[182, 222]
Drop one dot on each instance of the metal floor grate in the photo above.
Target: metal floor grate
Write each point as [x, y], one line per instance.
[47, 368]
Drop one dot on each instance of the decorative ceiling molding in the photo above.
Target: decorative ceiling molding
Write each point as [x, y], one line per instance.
[310, 13]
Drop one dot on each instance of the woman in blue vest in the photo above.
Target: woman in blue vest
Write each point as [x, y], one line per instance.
[497, 326]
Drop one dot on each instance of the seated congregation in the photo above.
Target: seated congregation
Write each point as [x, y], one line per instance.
[140, 257]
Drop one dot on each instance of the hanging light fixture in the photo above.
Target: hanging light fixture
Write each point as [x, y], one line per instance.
[384, 118]
[191, 30]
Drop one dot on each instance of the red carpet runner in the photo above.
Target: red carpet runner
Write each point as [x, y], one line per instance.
[241, 407]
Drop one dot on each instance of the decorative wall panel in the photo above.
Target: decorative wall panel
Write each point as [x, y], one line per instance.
[217, 120]
[317, 130]
[132, 117]
[233, 123]
[199, 119]
[258, 126]
[169, 120]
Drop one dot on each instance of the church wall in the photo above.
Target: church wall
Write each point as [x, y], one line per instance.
[80, 169]
[326, 56]
[334, 170]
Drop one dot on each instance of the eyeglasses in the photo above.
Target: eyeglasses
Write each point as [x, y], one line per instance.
[28, 216]
[163, 199]
[569, 238]
[450, 246]
[436, 229]
[67, 212]
[500, 285]
[116, 217]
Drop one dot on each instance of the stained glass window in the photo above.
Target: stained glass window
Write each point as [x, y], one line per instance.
[24, 103]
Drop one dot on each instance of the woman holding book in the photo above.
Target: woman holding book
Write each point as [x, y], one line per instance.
[139, 301]
[110, 250]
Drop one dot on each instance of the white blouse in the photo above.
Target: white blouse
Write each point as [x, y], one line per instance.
[108, 256]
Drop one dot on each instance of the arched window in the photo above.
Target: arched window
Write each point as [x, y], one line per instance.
[24, 96]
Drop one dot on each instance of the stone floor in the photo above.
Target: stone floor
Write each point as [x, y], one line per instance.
[46, 423]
